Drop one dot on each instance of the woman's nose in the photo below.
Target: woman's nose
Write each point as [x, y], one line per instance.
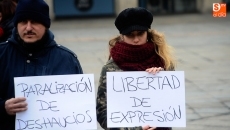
[136, 39]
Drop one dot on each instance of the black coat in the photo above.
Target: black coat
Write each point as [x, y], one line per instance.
[16, 61]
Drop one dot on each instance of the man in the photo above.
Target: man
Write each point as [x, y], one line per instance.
[31, 51]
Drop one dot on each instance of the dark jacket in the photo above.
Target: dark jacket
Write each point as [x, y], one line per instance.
[16, 61]
[110, 66]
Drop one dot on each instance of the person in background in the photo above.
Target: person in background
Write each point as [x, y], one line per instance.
[7, 10]
[137, 48]
[31, 51]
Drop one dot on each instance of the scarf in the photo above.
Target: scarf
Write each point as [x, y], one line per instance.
[36, 46]
[135, 57]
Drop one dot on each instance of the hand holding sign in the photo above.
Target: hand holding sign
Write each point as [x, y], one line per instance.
[15, 105]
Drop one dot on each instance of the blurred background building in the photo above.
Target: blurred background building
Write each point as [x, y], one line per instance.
[90, 8]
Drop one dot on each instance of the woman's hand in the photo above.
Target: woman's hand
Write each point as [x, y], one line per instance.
[154, 70]
[147, 127]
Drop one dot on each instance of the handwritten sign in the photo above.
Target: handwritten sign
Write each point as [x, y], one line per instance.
[60, 102]
[140, 98]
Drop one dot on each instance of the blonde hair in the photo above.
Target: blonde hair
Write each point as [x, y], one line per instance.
[161, 47]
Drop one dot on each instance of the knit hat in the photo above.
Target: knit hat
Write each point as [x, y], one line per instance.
[133, 19]
[36, 10]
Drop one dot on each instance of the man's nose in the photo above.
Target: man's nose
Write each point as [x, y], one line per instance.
[28, 25]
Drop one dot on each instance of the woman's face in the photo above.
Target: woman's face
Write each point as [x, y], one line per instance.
[135, 38]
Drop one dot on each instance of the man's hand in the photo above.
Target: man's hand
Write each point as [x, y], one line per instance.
[15, 105]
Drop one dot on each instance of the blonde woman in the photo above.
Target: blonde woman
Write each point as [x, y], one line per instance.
[137, 48]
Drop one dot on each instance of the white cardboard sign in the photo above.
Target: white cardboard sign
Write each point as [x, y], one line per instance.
[59, 102]
[140, 98]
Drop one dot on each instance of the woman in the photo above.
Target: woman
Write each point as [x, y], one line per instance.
[7, 10]
[137, 48]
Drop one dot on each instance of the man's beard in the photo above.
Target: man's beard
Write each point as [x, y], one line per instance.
[35, 46]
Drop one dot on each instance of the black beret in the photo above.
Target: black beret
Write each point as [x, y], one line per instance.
[36, 10]
[134, 19]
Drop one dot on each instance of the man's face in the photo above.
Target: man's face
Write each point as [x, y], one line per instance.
[30, 31]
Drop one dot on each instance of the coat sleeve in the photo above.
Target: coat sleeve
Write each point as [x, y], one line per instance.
[78, 66]
[102, 103]
[3, 91]
[101, 100]
[2, 108]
